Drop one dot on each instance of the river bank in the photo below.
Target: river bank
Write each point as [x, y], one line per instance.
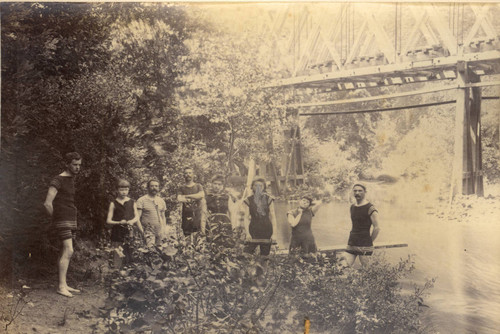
[458, 246]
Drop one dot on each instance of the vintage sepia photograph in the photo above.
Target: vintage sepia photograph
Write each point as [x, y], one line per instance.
[250, 167]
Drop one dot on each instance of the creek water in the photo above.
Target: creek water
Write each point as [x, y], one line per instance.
[463, 257]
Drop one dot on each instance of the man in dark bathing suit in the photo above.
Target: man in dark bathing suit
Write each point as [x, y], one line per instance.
[363, 216]
[192, 197]
[60, 205]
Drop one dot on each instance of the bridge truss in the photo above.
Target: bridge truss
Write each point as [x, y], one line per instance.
[328, 48]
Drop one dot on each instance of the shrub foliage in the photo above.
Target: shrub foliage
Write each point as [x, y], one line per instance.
[201, 285]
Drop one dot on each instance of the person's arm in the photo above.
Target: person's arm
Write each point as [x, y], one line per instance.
[136, 219]
[181, 198]
[163, 219]
[162, 207]
[376, 227]
[316, 206]
[51, 194]
[204, 215]
[293, 220]
[231, 201]
[138, 206]
[109, 219]
[139, 223]
[199, 195]
[272, 214]
[246, 219]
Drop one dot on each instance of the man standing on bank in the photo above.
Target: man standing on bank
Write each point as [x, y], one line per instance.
[151, 208]
[60, 205]
[363, 216]
[192, 197]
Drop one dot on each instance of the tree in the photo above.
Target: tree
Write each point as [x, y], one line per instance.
[73, 78]
[224, 84]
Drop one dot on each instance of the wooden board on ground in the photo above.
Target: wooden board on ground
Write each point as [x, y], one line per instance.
[342, 248]
[261, 241]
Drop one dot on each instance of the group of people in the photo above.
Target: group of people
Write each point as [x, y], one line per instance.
[201, 212]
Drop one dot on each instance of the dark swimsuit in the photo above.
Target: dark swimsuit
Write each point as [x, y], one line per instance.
[302, 237]
[360, 241]
[260, 225]
[121, 212]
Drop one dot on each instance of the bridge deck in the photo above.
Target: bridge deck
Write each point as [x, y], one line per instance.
[483, 63]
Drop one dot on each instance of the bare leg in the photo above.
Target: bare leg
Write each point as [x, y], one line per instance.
[364, 260]
[64, 258]
[349, 258]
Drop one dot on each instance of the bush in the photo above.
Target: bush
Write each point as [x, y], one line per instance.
[369, 300]
[203, 286]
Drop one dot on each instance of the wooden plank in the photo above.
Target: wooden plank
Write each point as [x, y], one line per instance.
[482, 84]
[385, 245]
[298, 177]
[423, 105]
[343, 248]
[460, 144]
[371, 98]
[261, 241]
[477, 146]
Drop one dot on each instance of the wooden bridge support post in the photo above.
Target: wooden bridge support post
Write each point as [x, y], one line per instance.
[467, 163]
[475, 141]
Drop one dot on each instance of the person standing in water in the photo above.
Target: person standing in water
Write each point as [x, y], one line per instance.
[300, 220]
[364, 215]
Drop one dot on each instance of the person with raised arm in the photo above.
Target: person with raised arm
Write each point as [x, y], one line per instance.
[300, 219]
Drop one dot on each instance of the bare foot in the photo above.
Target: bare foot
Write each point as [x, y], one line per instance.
[70, 289]
[65, 293]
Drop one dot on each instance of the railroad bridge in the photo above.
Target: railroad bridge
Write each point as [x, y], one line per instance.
[327, 48]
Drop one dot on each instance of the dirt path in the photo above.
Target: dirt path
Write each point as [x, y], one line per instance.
[47, 312]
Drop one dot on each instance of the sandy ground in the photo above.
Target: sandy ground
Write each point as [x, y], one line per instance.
[47, 312]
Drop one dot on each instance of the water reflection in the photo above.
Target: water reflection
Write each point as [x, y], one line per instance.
[463, 257]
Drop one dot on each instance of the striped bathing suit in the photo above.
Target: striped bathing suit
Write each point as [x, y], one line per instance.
[64, 216]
